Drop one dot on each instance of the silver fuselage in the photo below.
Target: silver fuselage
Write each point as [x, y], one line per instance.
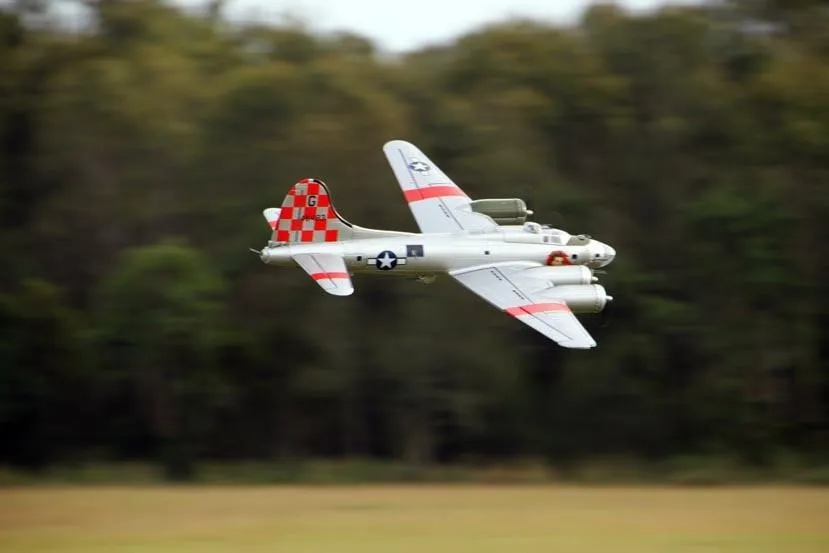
[440, 253]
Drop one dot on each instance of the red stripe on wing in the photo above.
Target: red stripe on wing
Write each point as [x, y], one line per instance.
[427, 193]
[321, 276]
[533, 308]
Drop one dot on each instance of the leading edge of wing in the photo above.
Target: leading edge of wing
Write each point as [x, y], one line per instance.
[501, 285]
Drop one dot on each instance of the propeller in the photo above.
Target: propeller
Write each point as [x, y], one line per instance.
[607, 314]
[525, 192]
[257, 252]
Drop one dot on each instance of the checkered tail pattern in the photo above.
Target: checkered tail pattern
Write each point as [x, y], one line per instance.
[307, 215]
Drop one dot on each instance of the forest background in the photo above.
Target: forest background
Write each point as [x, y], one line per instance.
[138, 331]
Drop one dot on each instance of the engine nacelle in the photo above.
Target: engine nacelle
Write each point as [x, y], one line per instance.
[581, 299]
[567, 274]
[504, 211]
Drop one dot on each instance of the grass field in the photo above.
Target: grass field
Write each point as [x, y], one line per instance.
[430, 519]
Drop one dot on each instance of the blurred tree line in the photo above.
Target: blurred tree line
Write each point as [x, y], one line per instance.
[139, 150]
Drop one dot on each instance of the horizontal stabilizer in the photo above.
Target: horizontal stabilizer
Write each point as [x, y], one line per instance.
[328, 270]
[272, 216]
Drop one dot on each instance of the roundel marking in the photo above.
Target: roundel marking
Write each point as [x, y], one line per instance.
[419, 166]
[386, 261]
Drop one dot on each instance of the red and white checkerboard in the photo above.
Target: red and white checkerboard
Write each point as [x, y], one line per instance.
[308, 216]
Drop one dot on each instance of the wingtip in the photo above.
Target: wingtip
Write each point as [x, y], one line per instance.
[573, 344]
[340, 292]
[396, 143]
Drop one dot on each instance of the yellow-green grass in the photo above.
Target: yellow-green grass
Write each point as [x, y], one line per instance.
[422, 519]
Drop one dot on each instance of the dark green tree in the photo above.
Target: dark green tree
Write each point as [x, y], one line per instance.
[158, 329]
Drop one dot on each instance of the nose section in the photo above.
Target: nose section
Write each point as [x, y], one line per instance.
[609, 255]
[601, 255]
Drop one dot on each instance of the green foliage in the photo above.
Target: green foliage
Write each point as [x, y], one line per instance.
[42, 376]
[160, 295]
[138, 155]
[157, 334]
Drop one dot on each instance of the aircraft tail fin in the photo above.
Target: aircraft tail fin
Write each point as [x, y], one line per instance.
[308, 215]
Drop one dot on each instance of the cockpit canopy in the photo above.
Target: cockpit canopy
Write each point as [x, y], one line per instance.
[547, 234]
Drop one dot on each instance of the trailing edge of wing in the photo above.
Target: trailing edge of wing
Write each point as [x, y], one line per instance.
[504, 287]
[328, 270]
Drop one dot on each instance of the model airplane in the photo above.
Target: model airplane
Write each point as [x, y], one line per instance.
[538, 274]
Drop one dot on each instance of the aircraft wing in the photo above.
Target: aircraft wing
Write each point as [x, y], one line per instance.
[437, 203]
[507, 287]
[328, 270]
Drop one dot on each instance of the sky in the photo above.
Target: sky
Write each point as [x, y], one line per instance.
[399, 26]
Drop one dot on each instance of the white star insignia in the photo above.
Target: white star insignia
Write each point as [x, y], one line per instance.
[386, 261]
[419, 166]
